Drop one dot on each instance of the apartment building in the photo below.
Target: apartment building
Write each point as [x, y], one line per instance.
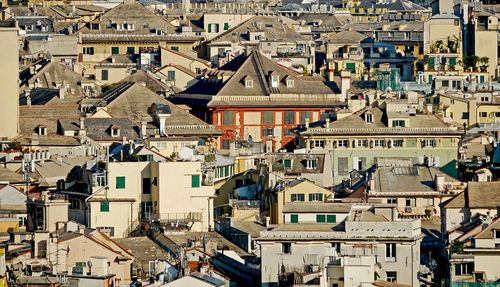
[123, 194]
[371, 244]
[9, 110]
[390, 132]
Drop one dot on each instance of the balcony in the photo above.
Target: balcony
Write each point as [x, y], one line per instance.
[412, 211]
[178, 217]
[244, 203]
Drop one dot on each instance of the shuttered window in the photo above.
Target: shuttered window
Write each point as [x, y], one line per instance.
[268, 118]
[120, 182]
[304, 115]
[320, 218]
[228, 118]
[294, 218]
[104, 206]
[195, 180]
[289, 117]
[331, 218]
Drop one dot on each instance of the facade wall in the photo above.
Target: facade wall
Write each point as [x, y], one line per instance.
[115, 74]
[9, 107]
[232, 20]
[169, 58]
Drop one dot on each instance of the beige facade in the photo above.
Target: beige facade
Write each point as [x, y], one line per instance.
[215, 24]
[177, 76]
[171, 57]
[485, 34]
[165, 191]
[9, 107]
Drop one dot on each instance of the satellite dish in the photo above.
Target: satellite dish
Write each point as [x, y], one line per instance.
[388, 90]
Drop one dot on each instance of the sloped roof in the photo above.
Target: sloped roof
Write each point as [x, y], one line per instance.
[487, 233]
[347, 37]
[477, 195]
[274, 31]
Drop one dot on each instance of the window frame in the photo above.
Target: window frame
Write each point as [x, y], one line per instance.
[119, 180]
[390, 252]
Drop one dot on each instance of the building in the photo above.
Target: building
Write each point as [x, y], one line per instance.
[358, 139]
[370, 244]
[9, 110]
[125, 194]
[259, 99]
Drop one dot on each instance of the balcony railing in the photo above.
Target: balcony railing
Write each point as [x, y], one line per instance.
[244, 203]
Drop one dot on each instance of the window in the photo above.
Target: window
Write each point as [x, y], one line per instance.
[74, 203]
[315, 197]
[171, 75]
[392, 200]
[115, 50]
[342, 143]
[320, 218]
[130, 50]
[336, 245]
[248, 83]
[483, 114]
[275, 81]
[428, 201]
[318, 143]
[268, 118]
[226, 26]
[429, 143]
[104, 206]
[311, 163]
[379, 143]
[410, 202]
[396, 143]
[452, 102]
[288, 163]
[294, 218]
[195, 180]
[361, 143]
[435, 101]
[343, 165]
[104, 75]
[368, 118]
[100, 180]
[115, 132]
[398, 123]
[392, 276]
[286, 248]
[213, 28]
[465, 115]
[228, 118]
[297, 197]
[496, 114]
[130, 27]
[120, 182]
[464, 268]
[289, 117]
[445, 84]
[174, 48]
[267, 132]
[331, 218]
[146, 186]
[305, 115]
[289, 83]
[497, 233]
[88, 50]
[287, 132]
[390, 252]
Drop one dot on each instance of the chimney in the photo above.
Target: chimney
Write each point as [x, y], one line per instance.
[307, 123]
[34, 139]
[327, 123]
[62, 90]
[439, 182]
[473, 84]
[143, 129]
[345, 83]
[82, 123]
[28, 98]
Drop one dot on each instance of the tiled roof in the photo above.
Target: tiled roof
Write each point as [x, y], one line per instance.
[477, 195]
[349, 37]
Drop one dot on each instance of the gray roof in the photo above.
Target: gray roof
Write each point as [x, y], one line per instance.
[273, 30]
[477, 195]
[143, 248]
[355, 125]
[99, 129]
[347, 37]
[407, 179]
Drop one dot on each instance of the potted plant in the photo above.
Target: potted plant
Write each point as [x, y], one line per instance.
[484, 63]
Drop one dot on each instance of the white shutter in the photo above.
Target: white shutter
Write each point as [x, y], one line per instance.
[276, 132]
[355, 163]
[436, 161]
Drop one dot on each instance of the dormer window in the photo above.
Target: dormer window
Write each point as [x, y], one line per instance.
[130, 26]
[115, 131]
[289, 83]
[42, 130]
[368, 118]
[248, 83]
[159, 32]
[311, 163]
[398, 123]
[119, 26]
[275, 79]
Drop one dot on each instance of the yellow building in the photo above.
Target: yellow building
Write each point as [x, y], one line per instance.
[239, 196]
[488, 113]
[297, 191]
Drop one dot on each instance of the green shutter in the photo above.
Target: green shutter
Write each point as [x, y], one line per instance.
[431, 61]
[120, 182]
[209, 28]
[331, 218]
[226, 26]
[130, 50]
[430, 78]
[320, 197]
[288, 163]
[393, 124]
[104, 206]
[226, 170]
[403, 123]
[150, 157]
[453, 61]
[268, 118]
[351, 67]
[302, 197]
[294, 218]
[310, 197]
[315, 163]
[481, 79]
[458, 269]
[195, 180]
[115, 50]
[320, 218]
